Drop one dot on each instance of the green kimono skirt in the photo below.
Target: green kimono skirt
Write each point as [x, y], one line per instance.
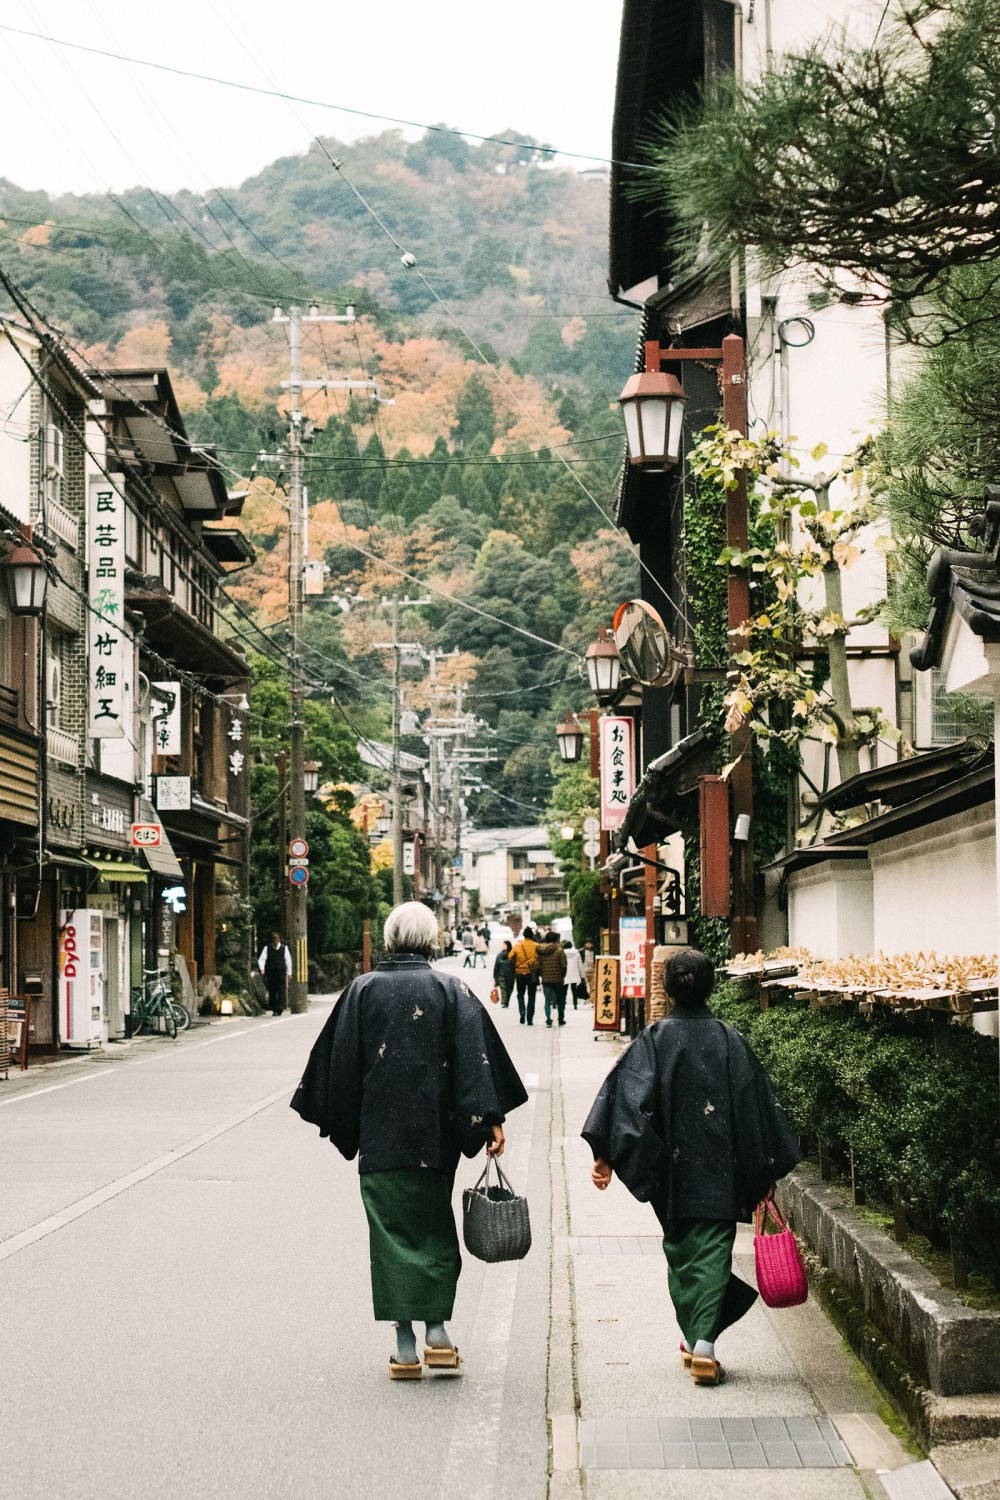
[413, 1243]
[707, 1297]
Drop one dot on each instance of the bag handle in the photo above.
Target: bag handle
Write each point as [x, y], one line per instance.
[484, 1176]
[765, 1207]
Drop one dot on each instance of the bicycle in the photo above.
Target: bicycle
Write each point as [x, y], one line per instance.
[152, 1003]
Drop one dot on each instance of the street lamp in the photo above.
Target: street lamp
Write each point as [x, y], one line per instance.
[383, 823]
[604, 666]
[27, 578]
[570, 738]
[310, 775]
[652, 404]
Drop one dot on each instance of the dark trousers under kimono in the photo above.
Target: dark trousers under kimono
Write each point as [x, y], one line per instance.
[707, 1296]
[527, 984]
[413, 1243]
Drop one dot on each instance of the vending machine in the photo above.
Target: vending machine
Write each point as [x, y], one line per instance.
[81, 978]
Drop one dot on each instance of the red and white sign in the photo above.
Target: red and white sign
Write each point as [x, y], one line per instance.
[298, 848]
[632, 952]
[146, 835]
[617, 769]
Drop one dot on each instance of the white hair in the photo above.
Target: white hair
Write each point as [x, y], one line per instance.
[411, 928]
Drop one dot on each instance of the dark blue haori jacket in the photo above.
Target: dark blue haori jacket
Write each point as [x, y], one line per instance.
[689, 1121]
[408, 1071]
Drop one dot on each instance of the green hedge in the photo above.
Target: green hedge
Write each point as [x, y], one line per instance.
[923, 1125]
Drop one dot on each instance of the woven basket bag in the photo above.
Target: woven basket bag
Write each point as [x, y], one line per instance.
[781, 1276]
[495, 1220]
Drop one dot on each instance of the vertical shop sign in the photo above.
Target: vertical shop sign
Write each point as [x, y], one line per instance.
[617, 770]
[107, 665]
[166, 716]
[607, 999]
[632, 947]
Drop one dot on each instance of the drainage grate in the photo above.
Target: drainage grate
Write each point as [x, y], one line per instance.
[711, 1443]
[616, 1244]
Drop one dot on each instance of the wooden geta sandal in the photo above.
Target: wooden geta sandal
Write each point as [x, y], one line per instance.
[706, 1371]
[400, 1371]
[443, 1361]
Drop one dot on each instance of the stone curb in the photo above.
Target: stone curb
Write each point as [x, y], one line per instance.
[950, 1349]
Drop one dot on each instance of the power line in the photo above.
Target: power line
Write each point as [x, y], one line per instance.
[409, 260]
[251, 88]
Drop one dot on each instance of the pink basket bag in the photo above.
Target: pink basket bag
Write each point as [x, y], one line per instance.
[781, 1276]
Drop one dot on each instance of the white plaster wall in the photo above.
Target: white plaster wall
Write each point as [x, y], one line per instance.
[493, 878]
[830, 909]
[15, 429]
[937, 889]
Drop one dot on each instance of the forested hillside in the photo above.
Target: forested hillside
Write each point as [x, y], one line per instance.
[494, 486]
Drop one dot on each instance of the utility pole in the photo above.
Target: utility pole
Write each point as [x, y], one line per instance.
[397, 789]
[298, 989]
[399, 649]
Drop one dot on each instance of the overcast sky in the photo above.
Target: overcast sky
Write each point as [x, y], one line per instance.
[73, 122]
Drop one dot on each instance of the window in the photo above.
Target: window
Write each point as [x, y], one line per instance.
[53, 459]
[133, 541]
[943, 717]
[53, 689]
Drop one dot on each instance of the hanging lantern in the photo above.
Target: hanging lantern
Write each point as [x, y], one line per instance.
[383, 823]
[27, 578]
[652, 404]
[310, 775]
[570, 738]
[604, 666]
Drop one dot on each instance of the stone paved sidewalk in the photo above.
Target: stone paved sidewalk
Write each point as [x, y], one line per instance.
[794, 1403]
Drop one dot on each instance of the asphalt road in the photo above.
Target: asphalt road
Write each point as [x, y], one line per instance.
[184, 1295]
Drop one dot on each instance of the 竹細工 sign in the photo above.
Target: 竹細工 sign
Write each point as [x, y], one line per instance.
[110, 654]
[617, 769]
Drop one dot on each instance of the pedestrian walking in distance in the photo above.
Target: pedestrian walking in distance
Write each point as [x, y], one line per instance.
[524, 956]
[574, 974]
[552, 968]
[409, 1074]
[688, 1119]
[469, 947]
[480, 948]
[275, 963]
[503, 973]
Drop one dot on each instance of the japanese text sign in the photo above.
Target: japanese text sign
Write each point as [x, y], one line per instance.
[617, 769]
[173, 793]
[607, 1006]
[166, 699]
[110, 650]
[632, 947]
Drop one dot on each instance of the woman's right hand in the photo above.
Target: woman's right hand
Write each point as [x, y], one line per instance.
[601, 1175]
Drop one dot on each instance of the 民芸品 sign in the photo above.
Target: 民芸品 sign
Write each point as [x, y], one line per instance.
[110, 651]
[617, 769]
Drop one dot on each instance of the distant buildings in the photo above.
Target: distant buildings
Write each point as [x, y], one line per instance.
[512, 871]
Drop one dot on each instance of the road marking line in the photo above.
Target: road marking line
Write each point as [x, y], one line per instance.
[474, 1449]
[121, 1184]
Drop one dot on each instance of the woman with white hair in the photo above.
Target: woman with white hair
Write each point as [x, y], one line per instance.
[409, 1074]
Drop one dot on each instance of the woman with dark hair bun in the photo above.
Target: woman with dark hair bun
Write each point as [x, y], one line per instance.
[688, 1119]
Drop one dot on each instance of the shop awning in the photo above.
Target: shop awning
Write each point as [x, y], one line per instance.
[161, 860]
[113, 873]
[651, 816]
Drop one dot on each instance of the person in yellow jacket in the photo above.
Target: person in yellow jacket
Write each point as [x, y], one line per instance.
[524, 957]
